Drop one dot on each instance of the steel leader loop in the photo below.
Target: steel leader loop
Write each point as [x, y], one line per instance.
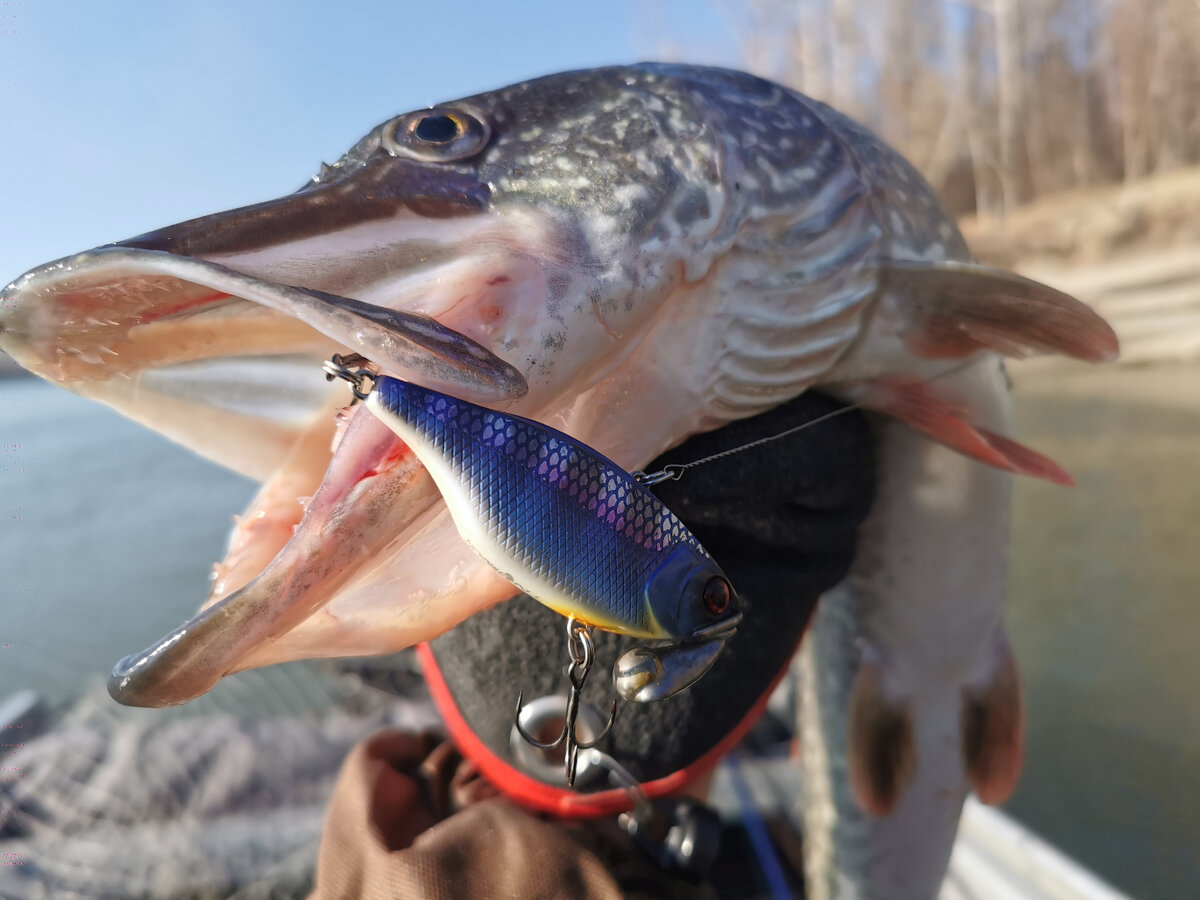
[340, 366]
[675, 471]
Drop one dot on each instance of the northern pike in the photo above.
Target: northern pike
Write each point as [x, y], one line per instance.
[656, 250]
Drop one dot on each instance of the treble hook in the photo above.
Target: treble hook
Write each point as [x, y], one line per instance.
[583, 652]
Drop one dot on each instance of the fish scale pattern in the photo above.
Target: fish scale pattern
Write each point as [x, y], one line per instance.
[559, 511]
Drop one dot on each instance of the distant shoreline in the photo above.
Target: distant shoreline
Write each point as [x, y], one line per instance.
[9, 369]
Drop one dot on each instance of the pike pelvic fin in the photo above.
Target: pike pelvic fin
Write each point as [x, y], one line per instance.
[915, 402]
[957, 309]
[992, 727]
[883, 755]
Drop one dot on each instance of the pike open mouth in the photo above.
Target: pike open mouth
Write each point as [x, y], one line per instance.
[346, 541]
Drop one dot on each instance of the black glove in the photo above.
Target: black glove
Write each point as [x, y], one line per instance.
[781, 519]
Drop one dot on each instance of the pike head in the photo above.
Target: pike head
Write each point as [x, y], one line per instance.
[488, 247]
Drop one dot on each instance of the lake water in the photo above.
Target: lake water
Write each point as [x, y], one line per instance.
[107, 534]
[1104, 609]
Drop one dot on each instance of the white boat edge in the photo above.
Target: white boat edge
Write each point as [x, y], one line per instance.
[994, 856]
[997, 858]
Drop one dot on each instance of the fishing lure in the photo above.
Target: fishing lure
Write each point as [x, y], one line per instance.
[566, 525]
[573, 530]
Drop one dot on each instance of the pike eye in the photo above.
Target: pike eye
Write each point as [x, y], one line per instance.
[436, 130]
[441, 134]
[717, 595]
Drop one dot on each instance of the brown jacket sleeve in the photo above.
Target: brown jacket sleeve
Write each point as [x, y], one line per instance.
[409, 818]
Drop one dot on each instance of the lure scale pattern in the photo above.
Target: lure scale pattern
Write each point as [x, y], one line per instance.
[557, 509]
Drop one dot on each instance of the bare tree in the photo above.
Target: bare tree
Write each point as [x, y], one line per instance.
[998, 101]
[1010, 93]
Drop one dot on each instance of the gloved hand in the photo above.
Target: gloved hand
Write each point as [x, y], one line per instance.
[781, 519]
[410, 817]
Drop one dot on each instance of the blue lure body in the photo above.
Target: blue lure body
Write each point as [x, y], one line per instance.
[566, 525]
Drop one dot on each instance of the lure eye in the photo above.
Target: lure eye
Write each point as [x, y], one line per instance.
[441, 134]
[717, 595]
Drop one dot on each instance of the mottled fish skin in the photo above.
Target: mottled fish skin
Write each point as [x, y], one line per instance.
[769, 207]
[566, 525]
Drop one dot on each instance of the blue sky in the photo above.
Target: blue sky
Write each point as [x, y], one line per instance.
[122, 116]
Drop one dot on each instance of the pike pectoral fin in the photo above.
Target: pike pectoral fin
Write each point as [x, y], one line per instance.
[992, 723]
[883, 756]
[959, 308]
[917, 404]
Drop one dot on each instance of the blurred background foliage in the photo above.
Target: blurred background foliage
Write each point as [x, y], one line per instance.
[998, 102]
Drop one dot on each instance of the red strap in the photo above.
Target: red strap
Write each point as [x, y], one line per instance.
[537, 795]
